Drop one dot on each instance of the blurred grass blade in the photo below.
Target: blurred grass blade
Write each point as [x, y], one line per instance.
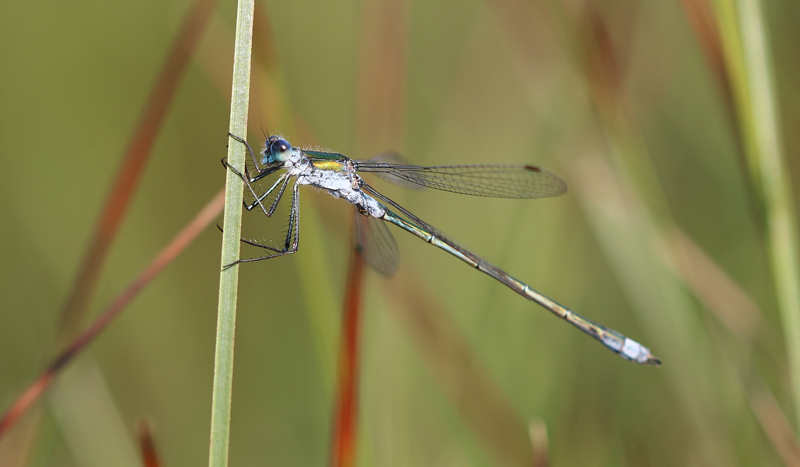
[628, 211]
[87, 416]
[700, 14]
[627, 232]
[537, 430]
[458, 371]
[165, 257]
[267, 88]
[775, 425]
[712, 286]
[232, 228]
[381, 99]
[147, 444]
[134, 161]
[761, 128]
[18, 446]
[345, 437]
[382, 74]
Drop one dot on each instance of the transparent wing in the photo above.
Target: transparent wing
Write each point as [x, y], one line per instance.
[411, 217]
[500, 181]
[376, 244]
[390, 158]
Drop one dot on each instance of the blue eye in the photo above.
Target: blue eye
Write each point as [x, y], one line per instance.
[278, 150]
[279, 146]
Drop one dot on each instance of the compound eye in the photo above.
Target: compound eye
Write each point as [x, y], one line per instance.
[280, 149]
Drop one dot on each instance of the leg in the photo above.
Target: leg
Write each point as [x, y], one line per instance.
[250, 180]
[277, 198]
[292, 234]
[285, 180]
[262, 172]
[249, 149]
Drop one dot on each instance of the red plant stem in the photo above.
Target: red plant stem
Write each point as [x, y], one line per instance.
[346, 420]
[147, 445]
[169, 253]
[133, 164]
[700, 14]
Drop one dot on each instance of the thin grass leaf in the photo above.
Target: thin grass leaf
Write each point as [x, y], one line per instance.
[761, 126]
[381, 74]
[460, 374]
[232, 228]
[147, 445]
[344, 437]
[627, 232]
[775, 424]
[135, 160]
[700, 15]
[537, 430]
[165, 257]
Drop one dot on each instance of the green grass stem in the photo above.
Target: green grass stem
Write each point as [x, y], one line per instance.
[761, 125]
[232, 221]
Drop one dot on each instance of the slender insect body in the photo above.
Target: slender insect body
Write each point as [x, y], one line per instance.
[338, 175]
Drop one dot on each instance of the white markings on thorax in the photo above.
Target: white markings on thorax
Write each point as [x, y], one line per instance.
[345, 184]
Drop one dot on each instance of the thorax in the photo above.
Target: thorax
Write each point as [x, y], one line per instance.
[338, 177]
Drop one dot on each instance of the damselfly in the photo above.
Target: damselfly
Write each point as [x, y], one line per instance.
[338, 175]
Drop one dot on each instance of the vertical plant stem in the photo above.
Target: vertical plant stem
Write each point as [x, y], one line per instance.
[343, 445]
[147, 445]
[762, 130]
[229, 277]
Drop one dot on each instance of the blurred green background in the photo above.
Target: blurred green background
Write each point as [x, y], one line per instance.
[662, 236]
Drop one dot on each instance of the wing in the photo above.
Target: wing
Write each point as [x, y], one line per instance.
[389, 158]
[376, 244]
[499, 181]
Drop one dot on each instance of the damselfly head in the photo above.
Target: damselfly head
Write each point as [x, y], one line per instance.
[276, 150]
